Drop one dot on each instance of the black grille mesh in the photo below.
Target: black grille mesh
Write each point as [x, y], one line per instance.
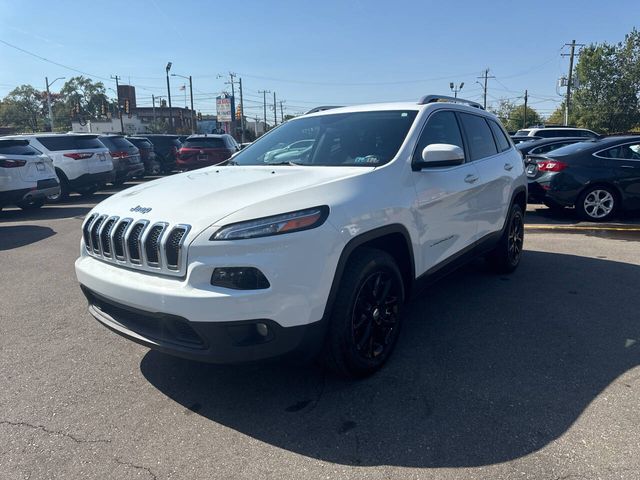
[94, 234]
[104, 237]
[172, 248]
[151, 244]
[118, 239]
[133, 244]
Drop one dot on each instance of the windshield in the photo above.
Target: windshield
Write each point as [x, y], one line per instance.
[344, 139]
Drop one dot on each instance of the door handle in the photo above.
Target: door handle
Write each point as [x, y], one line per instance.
[508, 166]
[470, 178]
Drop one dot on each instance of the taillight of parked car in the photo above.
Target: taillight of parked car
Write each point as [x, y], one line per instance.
[119, 154]
[12, 163]
[551, 166]
[79, 156]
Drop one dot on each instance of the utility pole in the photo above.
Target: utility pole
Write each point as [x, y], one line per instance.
[484, 86]
[233, 98]
[264, 100]
[153, 102]
[281, 112]
[275, 110]
[241, 113]
[567, 104]
[526, 99]
[169, 96]
[49, 100]
[185, 98]
[116, 78]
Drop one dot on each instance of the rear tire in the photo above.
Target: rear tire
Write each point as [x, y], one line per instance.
[118, 183]
[597, 203]
[505, 257]
[33, 204]
[87, 191]
[364, 323]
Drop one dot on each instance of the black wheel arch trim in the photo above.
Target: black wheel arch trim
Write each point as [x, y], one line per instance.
[359, 241]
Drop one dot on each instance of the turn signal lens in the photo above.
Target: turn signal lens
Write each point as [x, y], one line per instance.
[78, 156]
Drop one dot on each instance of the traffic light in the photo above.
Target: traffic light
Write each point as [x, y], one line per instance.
[238, 113]
[199, 116]
[127, 109]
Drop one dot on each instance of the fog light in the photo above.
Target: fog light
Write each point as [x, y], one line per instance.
[262, 329]
[239, 278]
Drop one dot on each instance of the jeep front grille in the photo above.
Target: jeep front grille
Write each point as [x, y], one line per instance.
[138, 244]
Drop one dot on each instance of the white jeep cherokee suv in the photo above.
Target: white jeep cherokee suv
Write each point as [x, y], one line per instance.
[314, 254]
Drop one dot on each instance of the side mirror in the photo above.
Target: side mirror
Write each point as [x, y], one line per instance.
[440, 155]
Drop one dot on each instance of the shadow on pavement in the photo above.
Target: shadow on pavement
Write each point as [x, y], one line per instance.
[541, 215]
[19, 236]
[489, 369]
[48, 212]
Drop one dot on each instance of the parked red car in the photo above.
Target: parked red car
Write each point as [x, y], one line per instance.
[205, 150]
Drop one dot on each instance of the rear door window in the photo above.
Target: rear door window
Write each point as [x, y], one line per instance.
[17, 147]
[479, 137]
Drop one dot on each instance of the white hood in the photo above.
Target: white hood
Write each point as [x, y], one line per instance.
[204, 197]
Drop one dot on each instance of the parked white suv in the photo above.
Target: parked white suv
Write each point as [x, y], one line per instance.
[556, 132]
[27, 176]
[82, 162]
[316, 253]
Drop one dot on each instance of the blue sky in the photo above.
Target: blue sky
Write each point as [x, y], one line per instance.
[309, 53]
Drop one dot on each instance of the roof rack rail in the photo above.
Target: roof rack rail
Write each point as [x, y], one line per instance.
[443, 98]
[322, 109]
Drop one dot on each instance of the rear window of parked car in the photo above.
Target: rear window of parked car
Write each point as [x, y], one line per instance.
[140, 143]
[17, 147]
[116, 143]
[205, 142]
[70, 142]
[479, 137]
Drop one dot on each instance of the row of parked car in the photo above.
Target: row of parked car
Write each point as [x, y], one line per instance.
[47, 167]
[572, 167]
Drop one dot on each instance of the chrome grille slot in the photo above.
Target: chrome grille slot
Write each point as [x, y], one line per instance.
[152, 244]
[86, 231]
[137, 244]
[105, 236]
[133, 242]
[174, 246]
[118, 239]
[95, 237]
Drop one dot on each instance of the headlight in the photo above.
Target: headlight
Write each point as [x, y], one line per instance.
[275, 225]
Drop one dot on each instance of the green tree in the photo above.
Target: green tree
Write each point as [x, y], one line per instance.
[512, 115]
[607, 95]
[23, 108]
[83, 92]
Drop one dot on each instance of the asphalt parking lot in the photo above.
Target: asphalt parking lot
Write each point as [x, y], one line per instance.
[534, 375]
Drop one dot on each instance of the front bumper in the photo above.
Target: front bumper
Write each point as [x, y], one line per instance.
[212, 342]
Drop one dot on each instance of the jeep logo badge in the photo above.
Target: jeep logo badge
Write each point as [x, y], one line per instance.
[140, 209]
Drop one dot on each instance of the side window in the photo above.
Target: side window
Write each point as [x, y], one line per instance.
[442, 127]
[501, 138]
[479, 137]
[623, 152]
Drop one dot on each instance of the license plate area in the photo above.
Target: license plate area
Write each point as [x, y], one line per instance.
[532, 170]
[203, 158]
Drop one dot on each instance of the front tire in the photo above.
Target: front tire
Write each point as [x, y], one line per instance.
[87, 191]
[366, 315]
[505, 257]
[597, 204]
[62, 195]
